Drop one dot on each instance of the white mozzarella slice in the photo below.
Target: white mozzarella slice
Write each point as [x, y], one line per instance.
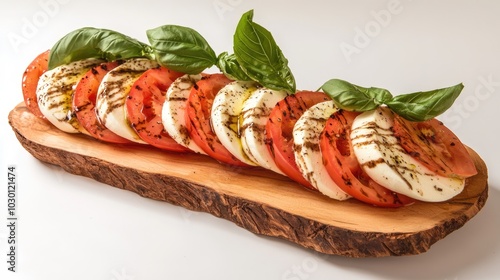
[388, 164]
[55, 92]
[254, 116]
[225, 116]
[112, 94]
[174, 111]
[306, 138]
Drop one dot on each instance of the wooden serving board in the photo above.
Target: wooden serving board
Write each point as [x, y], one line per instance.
[256, 199]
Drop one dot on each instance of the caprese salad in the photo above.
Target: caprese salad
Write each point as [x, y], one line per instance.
[344, 141]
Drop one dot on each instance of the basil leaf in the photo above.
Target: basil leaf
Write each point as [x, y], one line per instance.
[181, 49]
[422, 106]
[228, 64]
[355, 98]
[260, 56]
[89, 42]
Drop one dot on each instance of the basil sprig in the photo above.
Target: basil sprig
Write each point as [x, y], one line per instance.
[355, 98]
[256, 55]
[260, 57]
[89, 42]
[421, 106]
[185, 50]
[181, 49]
[417, 106]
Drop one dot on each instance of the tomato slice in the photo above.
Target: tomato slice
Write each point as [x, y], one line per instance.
[30, 82]
[198, 123]
[344, 169]
[279, 131]
[435, 146]
[84, 101]
[144, 108]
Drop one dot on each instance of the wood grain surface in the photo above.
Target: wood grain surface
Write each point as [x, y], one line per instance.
[256, 199]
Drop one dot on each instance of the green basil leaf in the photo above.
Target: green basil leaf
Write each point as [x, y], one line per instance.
[260, 56]
[181, 49]
[228, 64]
[422, 106]
[89, 42]
[355, 98]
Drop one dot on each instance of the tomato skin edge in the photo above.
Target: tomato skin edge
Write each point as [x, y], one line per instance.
[286, 166]
[279, 132]
[30, 78]
[144, 105]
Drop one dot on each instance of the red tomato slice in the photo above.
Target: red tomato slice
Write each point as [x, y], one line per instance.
[84, 101]
[344, 169]
[435, 146]
[30, 81]
[198, 123]
[279, 130]
[144, 108]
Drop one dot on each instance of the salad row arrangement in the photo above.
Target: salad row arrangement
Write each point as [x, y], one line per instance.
[343, 140]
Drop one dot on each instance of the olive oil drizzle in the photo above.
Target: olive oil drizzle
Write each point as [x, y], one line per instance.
[115, 90]
[59, 90]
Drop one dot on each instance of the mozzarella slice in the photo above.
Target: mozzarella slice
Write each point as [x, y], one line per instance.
[254, 116]
[112, 94]
[55, 94]
[306, 137]
[225, 116]
[174, 111]
[388, 164]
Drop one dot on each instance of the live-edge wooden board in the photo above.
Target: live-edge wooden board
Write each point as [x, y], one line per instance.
[258, 200]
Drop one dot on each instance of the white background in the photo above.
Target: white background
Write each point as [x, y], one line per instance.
[71, 227]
